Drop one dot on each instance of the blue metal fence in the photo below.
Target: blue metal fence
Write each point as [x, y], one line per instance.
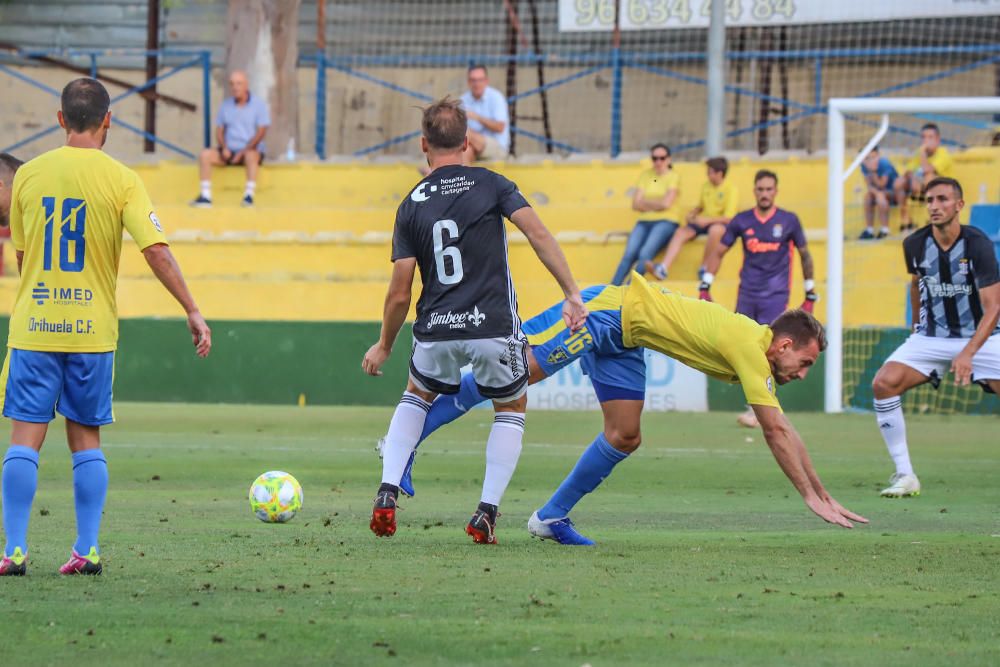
[188, 59]
[617, 61]
[657, 63]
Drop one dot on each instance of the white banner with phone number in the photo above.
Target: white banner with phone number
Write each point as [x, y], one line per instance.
[670, 386]
[597, 15]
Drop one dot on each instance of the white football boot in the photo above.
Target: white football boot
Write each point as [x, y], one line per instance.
[902, 486]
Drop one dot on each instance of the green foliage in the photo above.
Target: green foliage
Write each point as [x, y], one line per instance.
[706, 554]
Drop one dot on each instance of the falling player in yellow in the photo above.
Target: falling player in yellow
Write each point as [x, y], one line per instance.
[724, 345]
[703, 335]
[69, 208]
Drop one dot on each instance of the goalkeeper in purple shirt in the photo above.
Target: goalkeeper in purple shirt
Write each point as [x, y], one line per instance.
[769, 236]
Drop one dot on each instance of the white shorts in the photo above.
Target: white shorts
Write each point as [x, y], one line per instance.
[499, 366]
[933, 356]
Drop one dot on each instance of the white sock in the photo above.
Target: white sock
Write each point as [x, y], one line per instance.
[206, 189]
[404, 431]
[502, 451]
[889, 412]
[251, 186]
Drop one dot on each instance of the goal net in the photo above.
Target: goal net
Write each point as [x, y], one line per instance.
[868, 286]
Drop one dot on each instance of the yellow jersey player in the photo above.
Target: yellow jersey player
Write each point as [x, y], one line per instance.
[69, 208]
[703, 335]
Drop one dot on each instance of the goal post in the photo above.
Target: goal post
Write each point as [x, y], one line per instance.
[837, 175]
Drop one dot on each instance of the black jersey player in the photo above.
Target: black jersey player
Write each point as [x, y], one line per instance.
[451, 226]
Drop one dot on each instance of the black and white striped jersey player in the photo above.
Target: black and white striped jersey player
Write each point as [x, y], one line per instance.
[451, 226]
[955, 295]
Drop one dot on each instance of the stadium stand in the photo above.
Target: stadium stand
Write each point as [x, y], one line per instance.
[292, 258]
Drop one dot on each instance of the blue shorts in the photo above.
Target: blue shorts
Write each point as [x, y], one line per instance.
[77, 384]
[617, 372]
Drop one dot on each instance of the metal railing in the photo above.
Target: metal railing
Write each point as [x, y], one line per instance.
[188, 59]
[617, 61]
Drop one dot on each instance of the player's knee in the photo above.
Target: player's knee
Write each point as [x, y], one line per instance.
[624, 439]
[885, 385]
[251, 156]
[206, 155]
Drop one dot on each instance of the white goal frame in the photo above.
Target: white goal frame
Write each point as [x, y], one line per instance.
[837, 175]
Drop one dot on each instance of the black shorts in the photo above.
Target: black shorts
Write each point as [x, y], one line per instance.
[230, 162]
[700, 229]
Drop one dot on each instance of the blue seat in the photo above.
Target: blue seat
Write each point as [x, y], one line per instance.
[987, 218]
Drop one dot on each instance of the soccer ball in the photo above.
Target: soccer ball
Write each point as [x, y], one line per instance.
[275, 497]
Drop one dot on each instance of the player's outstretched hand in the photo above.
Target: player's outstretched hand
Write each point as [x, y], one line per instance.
[574, 313]
[810, 302]
[844, 512]
[961, 366]
[374, 358]
[825, 511]
[201, 335]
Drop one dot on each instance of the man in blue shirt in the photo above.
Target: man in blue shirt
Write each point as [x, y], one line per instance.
[489, 118]
[241, 124]
[879, 177]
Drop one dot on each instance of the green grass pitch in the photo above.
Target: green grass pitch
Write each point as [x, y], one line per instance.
[707, 555]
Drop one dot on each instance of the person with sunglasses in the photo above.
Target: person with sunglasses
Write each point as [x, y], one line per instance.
[657, 200]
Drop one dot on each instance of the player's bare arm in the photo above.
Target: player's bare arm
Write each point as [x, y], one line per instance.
[397, 305]
[914, 302]
[808, 267]
[808, 282]
[821, 490]
[551, 255]
[961, 366]
[788, 451]
[168, 272]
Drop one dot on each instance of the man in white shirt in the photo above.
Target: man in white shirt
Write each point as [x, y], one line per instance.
[489, 118]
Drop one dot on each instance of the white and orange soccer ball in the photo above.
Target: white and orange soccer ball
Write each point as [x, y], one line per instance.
[275, 497]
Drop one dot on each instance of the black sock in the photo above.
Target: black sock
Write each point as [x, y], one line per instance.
[391, 488]
[491, 511]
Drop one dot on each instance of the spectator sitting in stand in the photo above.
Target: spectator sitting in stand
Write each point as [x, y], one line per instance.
[880, 177]
[931, 161]
[489, 118]
[241, 125]
[656, 199]
[717, 206]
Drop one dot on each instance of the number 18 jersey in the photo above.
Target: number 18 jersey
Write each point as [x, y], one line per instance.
[69, 207]
[452, 223]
